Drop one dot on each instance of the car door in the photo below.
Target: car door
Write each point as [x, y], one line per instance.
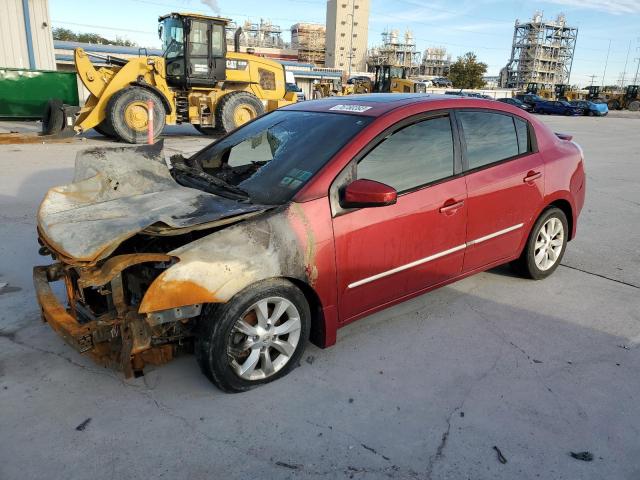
[505, 187]
[383, 254]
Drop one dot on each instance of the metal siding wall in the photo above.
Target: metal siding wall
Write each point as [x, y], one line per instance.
[13, 41]
[42, 35]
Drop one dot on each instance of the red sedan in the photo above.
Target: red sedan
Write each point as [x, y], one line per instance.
[297, 224]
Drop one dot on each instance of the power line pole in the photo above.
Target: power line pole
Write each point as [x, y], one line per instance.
[635, 80]
[606, 63]
[592, 77]
[624, 72]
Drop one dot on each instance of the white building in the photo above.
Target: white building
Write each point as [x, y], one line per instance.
[347, 34]
[25, 35]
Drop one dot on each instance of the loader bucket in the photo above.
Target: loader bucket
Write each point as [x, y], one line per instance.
[58, 119]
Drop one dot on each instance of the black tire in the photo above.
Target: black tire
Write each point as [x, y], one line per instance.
[226, 109]
[634, 106]
[613, 105]
[526, 264]
[208, 131]
[105, 129]
[116, 114]
[591, 114]
[216, 327]
[53, 117]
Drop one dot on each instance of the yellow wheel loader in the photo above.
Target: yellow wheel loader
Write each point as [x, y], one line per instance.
[391, 79]
[195, 81]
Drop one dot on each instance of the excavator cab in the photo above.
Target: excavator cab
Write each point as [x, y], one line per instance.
[561, 91]
[632, 92]
[392, 79]
[194, 48]
[594, 92]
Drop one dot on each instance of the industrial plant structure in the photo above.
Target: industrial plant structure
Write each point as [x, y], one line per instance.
[264, 34]
[309, 39]
[542, 53]
[396, 50]
[435, 62]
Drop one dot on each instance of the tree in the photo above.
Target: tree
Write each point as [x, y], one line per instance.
[467, 72]
[65, 34]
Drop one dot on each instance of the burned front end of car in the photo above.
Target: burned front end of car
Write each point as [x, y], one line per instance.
[110, 234]
[102, 316]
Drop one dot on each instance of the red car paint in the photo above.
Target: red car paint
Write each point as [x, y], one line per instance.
[371, 258]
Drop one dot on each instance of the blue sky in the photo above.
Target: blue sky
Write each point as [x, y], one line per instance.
[482, 26]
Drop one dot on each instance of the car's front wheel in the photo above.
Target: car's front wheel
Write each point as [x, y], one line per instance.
[546, 245]
[255, 338]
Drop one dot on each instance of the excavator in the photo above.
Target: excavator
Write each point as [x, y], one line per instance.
[195, 81]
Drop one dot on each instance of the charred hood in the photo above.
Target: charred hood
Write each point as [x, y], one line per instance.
[119, 192]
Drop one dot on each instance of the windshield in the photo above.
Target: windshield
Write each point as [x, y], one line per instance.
[172, 38]
[397, 72]
[272, 158]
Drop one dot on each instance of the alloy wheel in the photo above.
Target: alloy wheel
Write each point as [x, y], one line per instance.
[549, 244]
[264, 338]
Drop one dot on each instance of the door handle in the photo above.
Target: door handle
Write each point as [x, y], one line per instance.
[532, 176]
[451, 207]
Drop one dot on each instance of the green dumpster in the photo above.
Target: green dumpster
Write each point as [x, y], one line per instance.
[25, 93]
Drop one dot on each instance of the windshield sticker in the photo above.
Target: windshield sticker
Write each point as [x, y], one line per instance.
[295, 177]
[351, 108]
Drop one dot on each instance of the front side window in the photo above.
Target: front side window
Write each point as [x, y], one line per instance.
[489, 137]
[217, 41]
[273, 157]
[172, 38]
[416, 155]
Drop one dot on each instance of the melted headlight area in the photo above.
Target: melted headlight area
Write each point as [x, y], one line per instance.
[105, 300]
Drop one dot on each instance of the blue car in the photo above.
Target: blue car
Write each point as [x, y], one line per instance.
[592, 109]
[557, 108]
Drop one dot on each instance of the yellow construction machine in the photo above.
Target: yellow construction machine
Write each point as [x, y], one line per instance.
[195, 81]
[390, 79]
[628, 99]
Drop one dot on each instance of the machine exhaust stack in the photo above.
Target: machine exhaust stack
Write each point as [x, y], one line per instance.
[236, 39]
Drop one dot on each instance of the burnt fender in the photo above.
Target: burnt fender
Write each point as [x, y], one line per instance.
[217, 267]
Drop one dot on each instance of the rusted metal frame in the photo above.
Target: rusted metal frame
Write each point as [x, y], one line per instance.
[95, 277]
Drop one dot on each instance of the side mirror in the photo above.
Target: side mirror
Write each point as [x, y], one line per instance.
[367, 193]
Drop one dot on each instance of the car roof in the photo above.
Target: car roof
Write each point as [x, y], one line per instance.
[378, 104]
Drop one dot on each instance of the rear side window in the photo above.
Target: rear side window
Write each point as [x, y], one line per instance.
[522, 129]
[416, 155]
[490, 137]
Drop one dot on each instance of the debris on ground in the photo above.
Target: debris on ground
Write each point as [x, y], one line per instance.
[3, 284]
[625, 347]
[501, 458]
[351, 400]
[291, 466]
[462, 414]
[311, 359]
[537, 361]
[584, 456]
[83, 425]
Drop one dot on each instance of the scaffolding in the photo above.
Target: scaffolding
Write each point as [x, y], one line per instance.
[435, 62]
[310, 40]
[397, 51]
[542, 53]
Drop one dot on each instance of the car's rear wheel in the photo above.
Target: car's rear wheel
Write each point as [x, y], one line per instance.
[545, 247]
[255, 338]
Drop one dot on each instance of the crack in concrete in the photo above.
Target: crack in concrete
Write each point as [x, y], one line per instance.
[445, 435]
[622, 282]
